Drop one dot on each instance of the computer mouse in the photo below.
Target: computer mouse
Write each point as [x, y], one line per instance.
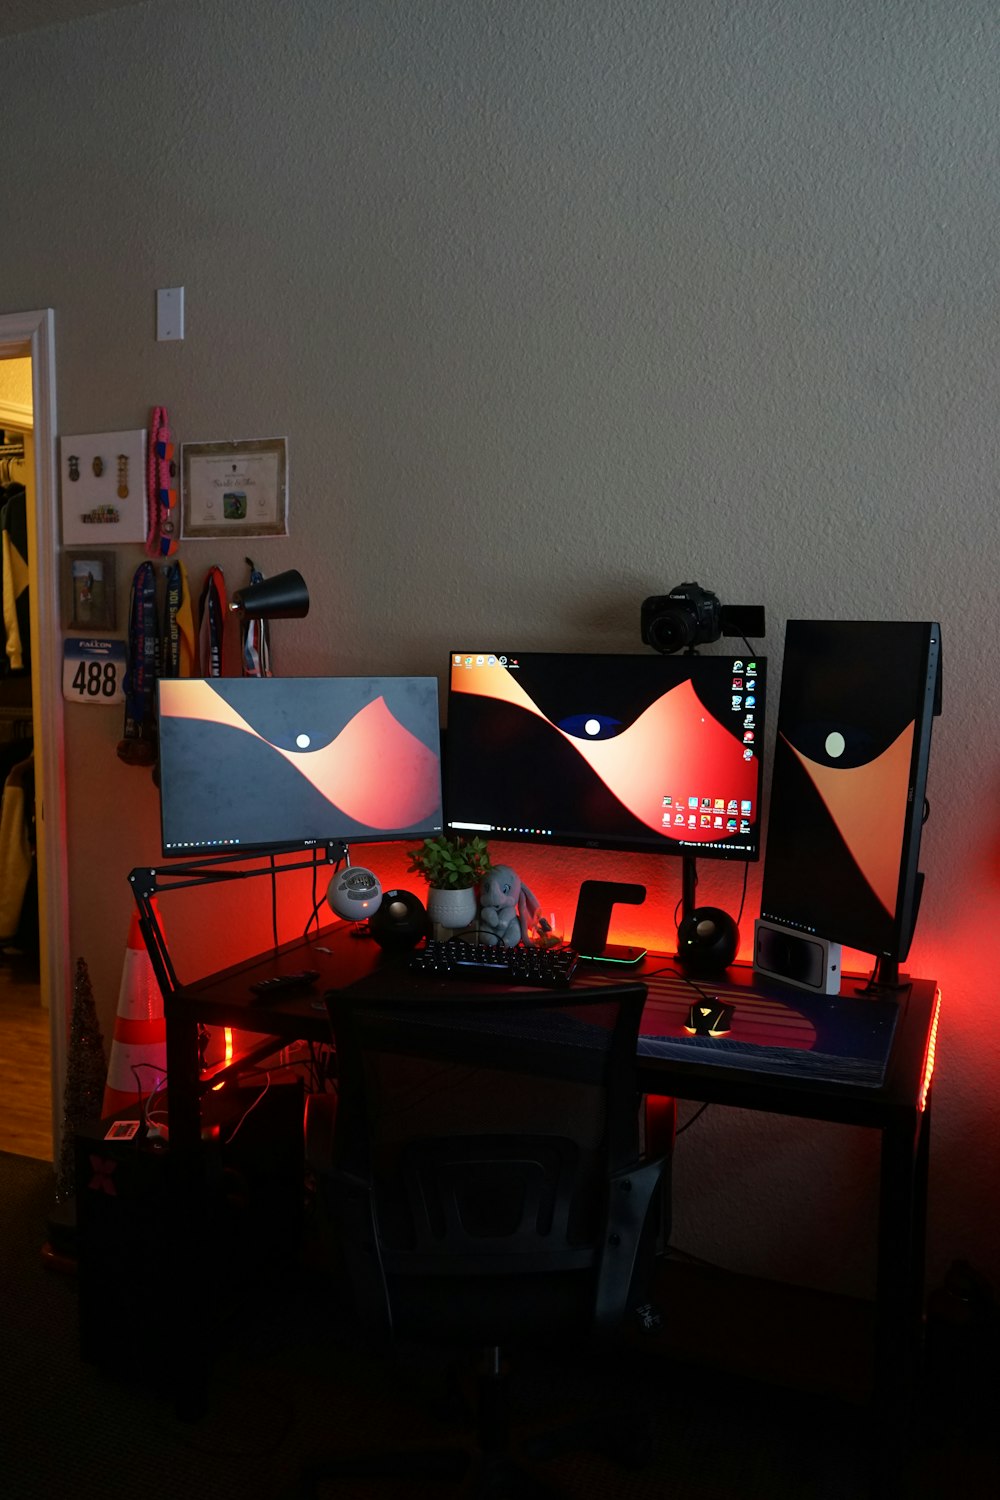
[709, 1016]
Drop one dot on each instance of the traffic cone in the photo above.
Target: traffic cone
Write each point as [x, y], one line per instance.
[138, 1064]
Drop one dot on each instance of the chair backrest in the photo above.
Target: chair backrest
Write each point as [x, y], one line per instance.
[487, 1174]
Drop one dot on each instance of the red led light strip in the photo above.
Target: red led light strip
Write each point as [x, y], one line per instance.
[925, 1082]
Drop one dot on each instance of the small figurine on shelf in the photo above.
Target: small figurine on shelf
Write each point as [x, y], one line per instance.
[507, 909]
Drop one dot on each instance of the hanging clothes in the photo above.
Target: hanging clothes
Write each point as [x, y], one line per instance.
[16, 612]
[16, 843]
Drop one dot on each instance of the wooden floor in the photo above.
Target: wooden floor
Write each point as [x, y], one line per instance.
[25, 1086]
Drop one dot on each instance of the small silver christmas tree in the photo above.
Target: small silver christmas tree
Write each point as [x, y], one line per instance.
[86, 1073]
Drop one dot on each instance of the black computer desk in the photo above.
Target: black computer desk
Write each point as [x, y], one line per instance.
[850, 1059]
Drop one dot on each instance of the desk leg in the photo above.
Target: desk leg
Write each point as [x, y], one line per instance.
[186, 1219]
[899, 1290]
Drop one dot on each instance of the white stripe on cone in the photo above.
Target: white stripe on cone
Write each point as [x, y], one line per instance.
[138, 1063]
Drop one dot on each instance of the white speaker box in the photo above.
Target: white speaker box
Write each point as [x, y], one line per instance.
[797, 958]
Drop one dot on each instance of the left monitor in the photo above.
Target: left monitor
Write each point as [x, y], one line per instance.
[266, 763]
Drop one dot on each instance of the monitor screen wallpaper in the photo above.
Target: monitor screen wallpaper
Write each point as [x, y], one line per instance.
[848, 781]
[648, 753]
[264, 763]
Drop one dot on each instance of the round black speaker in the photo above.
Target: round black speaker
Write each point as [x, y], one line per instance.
[707, 940]
[400, 922]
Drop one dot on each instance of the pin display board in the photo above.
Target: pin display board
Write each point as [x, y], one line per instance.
[102, 486]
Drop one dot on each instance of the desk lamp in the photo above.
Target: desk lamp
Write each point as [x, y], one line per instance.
[283, 597]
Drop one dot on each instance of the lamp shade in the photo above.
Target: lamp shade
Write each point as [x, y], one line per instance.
[283, 597]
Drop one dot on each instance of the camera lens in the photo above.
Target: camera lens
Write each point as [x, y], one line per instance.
[671, 631]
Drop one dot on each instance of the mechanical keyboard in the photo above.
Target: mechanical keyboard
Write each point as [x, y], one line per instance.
[539, 968]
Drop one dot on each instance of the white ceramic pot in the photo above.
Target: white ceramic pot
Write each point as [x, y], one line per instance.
[454, 910]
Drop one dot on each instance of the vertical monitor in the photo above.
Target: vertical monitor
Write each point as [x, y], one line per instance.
[657, 754]
[848, 781]
[261, 763]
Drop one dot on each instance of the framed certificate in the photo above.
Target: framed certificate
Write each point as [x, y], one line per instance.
[234, 489]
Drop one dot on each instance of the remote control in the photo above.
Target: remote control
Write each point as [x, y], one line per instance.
[278, 984]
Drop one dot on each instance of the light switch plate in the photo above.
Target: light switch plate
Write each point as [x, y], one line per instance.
[170, 313]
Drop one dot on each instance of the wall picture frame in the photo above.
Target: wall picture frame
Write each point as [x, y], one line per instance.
[89, 590]
[234, 489]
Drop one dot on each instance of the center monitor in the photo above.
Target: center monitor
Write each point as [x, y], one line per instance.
[655, 754]
[264, 763]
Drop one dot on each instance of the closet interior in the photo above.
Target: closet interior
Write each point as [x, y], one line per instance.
[18, 878]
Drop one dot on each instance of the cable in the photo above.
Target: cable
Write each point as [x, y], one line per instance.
[688, 1123]
[743, 897]
[317, 899]
[248, 1111]
[134, 1069]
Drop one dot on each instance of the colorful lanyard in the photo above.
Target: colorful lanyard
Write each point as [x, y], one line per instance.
[161, 494]
[212, 617]
[179, 655]
[138, 743]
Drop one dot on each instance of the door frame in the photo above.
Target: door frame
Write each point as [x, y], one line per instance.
[33, 334]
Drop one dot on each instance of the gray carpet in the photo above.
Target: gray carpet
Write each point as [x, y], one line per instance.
[286, 1381]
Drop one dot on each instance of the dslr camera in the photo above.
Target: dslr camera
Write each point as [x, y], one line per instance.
[690, 616]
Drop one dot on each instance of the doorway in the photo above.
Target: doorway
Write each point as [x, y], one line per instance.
[25, 1051]
[35, 1044]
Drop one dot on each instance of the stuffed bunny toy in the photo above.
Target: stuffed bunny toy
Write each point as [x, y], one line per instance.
[507, 909]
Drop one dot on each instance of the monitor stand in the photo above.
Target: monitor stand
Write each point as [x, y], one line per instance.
[593, 919]
[708, 938]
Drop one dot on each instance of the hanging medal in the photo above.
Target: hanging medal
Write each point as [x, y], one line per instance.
[161, 491]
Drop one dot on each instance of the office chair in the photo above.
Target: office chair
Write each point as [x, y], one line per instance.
[488, 1191]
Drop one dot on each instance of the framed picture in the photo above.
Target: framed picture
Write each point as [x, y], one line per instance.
[88, 587]
[234, 489]
[102, 487]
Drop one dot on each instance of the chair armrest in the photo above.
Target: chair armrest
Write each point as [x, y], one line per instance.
[631, 1232]
[352, 1203]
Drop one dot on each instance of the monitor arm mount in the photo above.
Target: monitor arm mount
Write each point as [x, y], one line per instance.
[215, 869]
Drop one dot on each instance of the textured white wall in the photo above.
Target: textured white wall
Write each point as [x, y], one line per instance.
[560, 304]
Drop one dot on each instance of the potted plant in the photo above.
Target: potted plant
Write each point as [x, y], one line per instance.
[452, 867]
